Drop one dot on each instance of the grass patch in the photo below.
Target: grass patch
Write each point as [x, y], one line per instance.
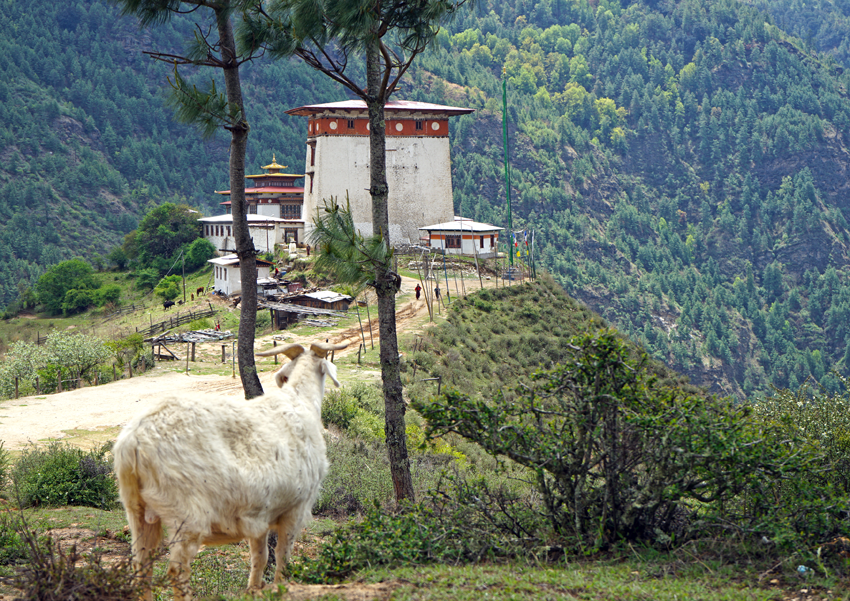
[596, 581]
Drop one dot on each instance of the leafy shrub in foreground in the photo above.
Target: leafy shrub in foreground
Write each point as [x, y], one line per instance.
[414, 536]
[50, 573]
[59, 474]
[618, 456]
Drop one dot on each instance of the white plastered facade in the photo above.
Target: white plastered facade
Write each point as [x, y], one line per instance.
[418, 175]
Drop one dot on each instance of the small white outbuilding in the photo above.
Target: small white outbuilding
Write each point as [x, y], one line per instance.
[228, 279]
[462, 237]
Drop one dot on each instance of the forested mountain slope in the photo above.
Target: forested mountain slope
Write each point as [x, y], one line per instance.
[87, 143]
[683, 163]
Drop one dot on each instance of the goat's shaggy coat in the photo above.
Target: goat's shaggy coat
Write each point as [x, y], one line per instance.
[226, 470]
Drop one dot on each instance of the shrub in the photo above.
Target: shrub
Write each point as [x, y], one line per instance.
[13, 548]
[359, 406]
[359, 476]
[168, 287]
[77, 300]
[50, 573]
[147, 278]
[204, 323]
[414, 536]
[616, 455]
[199, 252]
[107, 294]
[59, 474]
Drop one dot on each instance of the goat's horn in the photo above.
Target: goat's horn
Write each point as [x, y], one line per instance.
[290, 350]
[321, 349]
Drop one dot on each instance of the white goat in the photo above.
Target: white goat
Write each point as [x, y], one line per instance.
[227, 469]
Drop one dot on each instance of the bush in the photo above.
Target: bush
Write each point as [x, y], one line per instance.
[204, 323]
[414, 536]
[618, 456]
[169, 287]
[49, 573]
[198, 253]
[359, 476]
[147, 278]
[107, 294]
[357, 408]
[59, 474]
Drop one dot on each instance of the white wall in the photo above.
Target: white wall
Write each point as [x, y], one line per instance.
[262, 242]
[229, 280]
[418, 174]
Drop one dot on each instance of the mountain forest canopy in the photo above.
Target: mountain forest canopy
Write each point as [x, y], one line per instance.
[682, 163]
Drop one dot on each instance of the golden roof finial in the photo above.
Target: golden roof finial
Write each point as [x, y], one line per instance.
[274, 165]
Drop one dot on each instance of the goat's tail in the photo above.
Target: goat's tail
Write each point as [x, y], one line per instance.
[145, 528]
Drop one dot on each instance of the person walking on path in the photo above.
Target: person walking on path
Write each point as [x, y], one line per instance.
[418, 290]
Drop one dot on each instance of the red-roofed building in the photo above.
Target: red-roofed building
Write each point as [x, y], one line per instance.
[418, 162]
[275, 194]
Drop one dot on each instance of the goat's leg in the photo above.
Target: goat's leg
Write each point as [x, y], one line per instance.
[289, 527]
[183, 549]
[259, 558]
[146, 539]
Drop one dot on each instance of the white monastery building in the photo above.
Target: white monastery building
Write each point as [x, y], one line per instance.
[462, 237]
[227, 276]
[265, 232]
[418, 163]
[274, 194]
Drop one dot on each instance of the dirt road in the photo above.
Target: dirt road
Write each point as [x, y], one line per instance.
[93, 415]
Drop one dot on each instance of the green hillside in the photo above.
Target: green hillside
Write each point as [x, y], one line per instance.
[683, 164]
[88, 145]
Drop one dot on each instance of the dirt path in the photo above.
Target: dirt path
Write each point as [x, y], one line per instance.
[93, 415]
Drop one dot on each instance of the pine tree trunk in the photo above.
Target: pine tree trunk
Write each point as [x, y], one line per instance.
[244, 245]
[386, 284]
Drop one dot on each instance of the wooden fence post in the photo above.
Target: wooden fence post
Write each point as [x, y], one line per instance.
[37, 386]
[16, 386]
[59, 380]
[130, 366]
[114, 375]
[223, 358]
[274, 344]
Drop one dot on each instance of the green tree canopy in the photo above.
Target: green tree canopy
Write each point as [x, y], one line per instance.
[74, 274]
[165, 229]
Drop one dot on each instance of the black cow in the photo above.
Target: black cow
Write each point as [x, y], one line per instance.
[167, 304]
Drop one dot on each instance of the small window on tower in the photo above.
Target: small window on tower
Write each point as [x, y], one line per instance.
[351, 124]
[419, 125]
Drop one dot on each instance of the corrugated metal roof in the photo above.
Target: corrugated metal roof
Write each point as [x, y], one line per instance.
[391, 106]
[328, 296]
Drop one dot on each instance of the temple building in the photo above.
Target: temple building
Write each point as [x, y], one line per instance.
[274, 194]
[418, 163]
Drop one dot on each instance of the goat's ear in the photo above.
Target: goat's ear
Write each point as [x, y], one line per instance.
[329, 369]
[283, 374]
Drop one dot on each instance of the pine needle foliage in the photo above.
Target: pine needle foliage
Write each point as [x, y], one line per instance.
[342, 250]
[207, 109]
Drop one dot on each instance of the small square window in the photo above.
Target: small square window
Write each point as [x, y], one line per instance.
[420, 125]
[351, 124]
